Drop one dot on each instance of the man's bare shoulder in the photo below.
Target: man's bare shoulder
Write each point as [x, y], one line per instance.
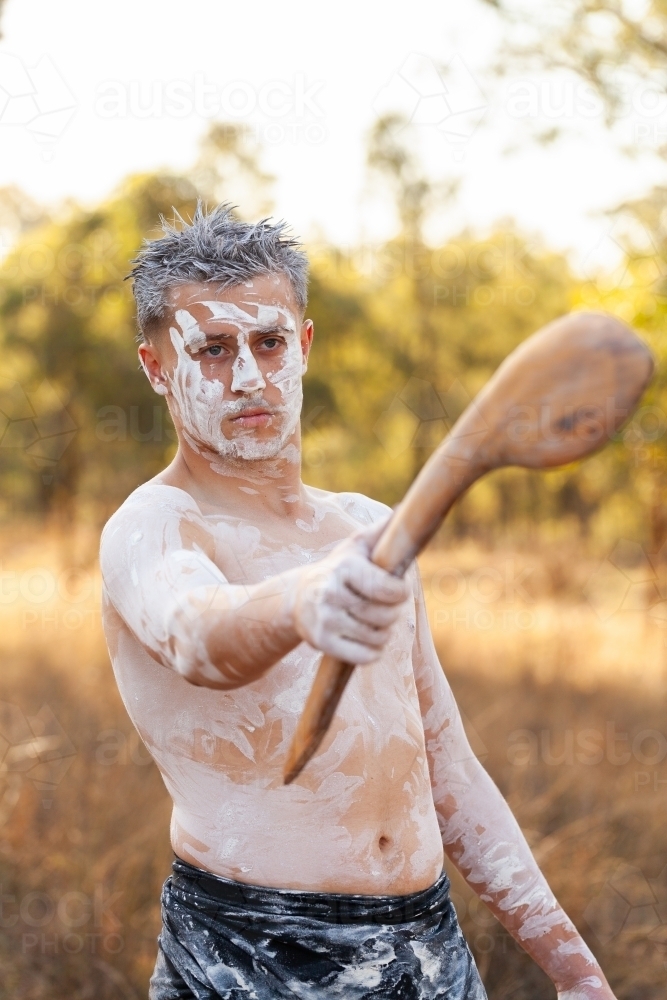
[151, 505]
[360, 508]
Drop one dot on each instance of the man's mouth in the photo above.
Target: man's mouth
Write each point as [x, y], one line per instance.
[257, 416]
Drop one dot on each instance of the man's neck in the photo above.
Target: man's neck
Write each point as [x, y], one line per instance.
[268, 487]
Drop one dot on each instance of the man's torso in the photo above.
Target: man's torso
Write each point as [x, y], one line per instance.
[361, 818]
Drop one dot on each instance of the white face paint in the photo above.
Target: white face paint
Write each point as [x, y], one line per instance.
[192, 335]
[245, 371]
[200, 403]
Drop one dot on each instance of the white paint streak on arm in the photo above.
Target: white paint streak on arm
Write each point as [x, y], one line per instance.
[481, 836]
[162, 581]
[588, 989]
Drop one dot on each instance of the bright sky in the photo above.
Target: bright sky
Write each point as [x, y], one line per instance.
[131, 85]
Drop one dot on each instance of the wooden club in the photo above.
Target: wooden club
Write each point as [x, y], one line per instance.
[556, 398]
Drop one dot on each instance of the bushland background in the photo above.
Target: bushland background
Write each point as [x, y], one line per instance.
[547, 592]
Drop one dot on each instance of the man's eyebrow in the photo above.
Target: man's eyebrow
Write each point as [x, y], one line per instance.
[273, 328]
[261, 330]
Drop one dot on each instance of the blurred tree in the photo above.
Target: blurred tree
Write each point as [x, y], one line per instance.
[76, 410]
[228, 169]
[18, 213]
[67, 319]
[404, 339]
[619, 49]
[391, 154]
[372, 409]
[637, 292]
[602, 41]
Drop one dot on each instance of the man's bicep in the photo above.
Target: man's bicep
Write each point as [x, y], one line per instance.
[150, 563]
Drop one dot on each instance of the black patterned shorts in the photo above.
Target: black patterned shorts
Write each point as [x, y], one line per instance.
[244, 942]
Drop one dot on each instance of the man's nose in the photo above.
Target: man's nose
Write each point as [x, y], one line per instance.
[246, 376]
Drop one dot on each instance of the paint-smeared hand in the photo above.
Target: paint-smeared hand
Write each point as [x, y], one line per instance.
[344, 605]
[591, 988]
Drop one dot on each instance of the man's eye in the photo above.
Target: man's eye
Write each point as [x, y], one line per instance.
[214, 350]
[271, 342]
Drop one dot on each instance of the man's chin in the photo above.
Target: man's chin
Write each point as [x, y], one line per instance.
[253, 449]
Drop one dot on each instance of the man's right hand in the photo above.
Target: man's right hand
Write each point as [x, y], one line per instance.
[345, 605]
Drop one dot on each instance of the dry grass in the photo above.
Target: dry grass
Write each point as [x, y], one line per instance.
[558, 664]
[548, 682]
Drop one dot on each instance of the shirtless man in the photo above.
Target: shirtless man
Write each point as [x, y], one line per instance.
[225, 579]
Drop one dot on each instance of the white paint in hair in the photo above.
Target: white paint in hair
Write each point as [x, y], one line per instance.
[215, 247]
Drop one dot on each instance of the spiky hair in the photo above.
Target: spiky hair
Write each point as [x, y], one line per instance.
[214, 246]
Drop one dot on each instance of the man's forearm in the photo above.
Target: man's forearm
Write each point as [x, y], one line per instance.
[485, 842]
[225, 637]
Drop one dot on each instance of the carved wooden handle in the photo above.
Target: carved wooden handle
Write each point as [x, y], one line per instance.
[330, 682]
[394, 551]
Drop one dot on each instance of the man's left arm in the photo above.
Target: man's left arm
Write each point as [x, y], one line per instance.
[484, 841]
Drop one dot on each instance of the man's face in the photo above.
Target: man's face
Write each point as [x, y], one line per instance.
[230, 363]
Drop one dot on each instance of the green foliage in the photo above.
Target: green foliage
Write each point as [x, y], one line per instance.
[403, 347]
[68, 324]
[406, 335]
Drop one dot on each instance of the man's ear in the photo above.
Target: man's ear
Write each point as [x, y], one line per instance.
[150, 363]
[307, 331]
